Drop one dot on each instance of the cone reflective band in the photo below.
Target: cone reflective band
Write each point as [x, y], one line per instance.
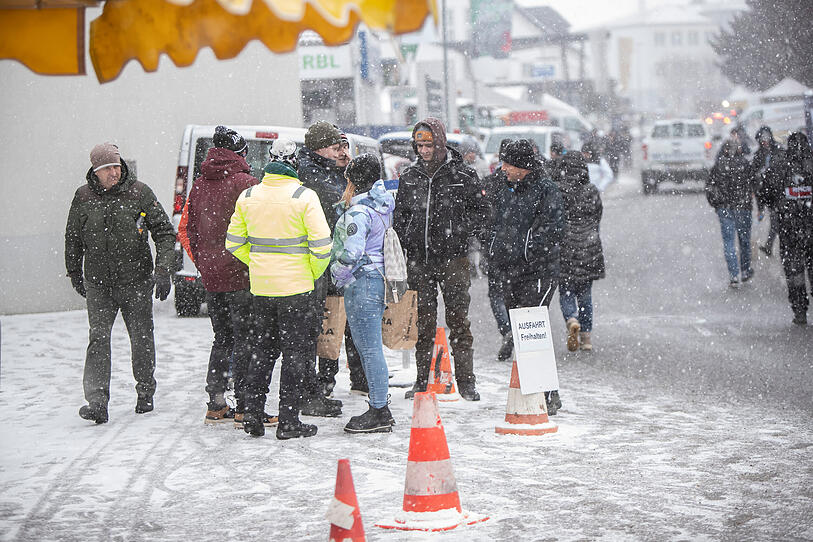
[441, 379]
[343, 513]
[525, 414]
[431, 501]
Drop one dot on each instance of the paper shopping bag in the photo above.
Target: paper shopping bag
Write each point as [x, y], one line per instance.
[334, 319]
[399, 326]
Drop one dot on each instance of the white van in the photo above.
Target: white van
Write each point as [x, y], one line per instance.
[196, 142]
[783, 118]
[542, 136]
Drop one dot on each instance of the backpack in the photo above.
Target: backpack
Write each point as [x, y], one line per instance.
[395, 268]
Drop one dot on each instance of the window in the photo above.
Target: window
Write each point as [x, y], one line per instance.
[677, 38]
[694, 38]
[660, 131]
[695, 130]
[660, 39]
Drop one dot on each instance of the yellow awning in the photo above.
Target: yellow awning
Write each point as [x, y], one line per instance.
[144, 29]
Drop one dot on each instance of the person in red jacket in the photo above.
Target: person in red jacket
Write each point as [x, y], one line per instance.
[225, 174]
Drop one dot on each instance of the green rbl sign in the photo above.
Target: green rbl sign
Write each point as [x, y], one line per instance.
[320, 62]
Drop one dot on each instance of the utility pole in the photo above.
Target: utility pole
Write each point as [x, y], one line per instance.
[445, 64]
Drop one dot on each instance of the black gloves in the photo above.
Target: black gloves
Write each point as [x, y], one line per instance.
[78, 284]
[163, 284]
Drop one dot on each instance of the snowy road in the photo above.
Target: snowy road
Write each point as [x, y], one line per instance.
[691, 421]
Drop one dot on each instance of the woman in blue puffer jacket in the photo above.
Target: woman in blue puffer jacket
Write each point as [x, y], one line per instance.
[357, 265]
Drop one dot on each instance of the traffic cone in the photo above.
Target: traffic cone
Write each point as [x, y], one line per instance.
[431, 501]
[344, 514]
[525, 414]
[441, 379]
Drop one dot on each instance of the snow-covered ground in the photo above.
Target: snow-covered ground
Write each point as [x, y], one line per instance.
[640, 465]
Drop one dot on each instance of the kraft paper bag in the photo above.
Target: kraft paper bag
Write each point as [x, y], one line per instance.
[399, 326]
[334, 319]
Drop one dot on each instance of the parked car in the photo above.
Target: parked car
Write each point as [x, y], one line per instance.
[542, 136]
[196, 142]
[398, 153]
[676, 150]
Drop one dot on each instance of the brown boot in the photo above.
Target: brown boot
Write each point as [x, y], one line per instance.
[573, 328]
[584, 338]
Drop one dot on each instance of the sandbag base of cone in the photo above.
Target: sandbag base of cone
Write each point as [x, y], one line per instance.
[525, 428]
[442, 520]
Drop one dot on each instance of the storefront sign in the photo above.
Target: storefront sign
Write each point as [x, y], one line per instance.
[320, 62]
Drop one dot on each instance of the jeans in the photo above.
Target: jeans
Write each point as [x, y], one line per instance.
[364, 305]
[576, 301]
[736, 221]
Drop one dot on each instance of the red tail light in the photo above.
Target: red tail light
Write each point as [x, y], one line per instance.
[707, 144]
[645, 150]
[266, 135]
[180, 190]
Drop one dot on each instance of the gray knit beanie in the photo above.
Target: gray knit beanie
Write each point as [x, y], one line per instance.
[322, 134]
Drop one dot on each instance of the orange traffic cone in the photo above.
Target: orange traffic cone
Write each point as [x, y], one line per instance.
[441, 380]
[525, 414]
[344, 514]
[431, 501]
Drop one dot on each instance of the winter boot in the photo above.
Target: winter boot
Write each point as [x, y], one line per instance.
[253, 424]
[375, 420]
[800, 318]
[321, 406]
[467, 391]
[95, 412]
[584, 340]
[216, 415]
[507, 347]
[419, 386]
[295, 429]
[573, 328]
[144, 404]
[552, 402]
[269, 420]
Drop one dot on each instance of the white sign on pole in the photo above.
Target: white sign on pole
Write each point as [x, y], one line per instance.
[321, 62]
[533, 344]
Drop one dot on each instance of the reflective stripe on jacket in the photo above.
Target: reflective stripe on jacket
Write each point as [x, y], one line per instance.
[279, 230]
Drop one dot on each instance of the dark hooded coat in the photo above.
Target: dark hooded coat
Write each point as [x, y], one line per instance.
[730, 183]
[321, 175]
[787, 189]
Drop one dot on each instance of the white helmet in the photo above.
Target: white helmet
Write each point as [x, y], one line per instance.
[284, 150]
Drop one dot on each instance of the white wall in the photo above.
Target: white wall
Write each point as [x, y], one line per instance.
[49, 125]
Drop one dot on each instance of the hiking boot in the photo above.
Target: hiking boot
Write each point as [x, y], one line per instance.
[734, 282]
[468, 392]
[269, 420]
[800, 319]
[144, 404]
[765, 249]
[321, 406]
[573, 328]
[218, 415]
[327, 388]
[95, 412]
[253, 424]
[584, 341]
[507, 348]
[747, 275]
[295, 429]
[552, 402]
[375, 420]
[419, 386]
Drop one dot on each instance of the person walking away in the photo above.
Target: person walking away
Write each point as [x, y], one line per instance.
[526, 235]
[109, 262]
[766, 152]
[358, 267]
[224, 175]
[279, 230]
[555, 165]
[440, 204]
[582, 256]
[492, 185]
[788, 190]
[601, 175]
[729, 190]
[317, 170]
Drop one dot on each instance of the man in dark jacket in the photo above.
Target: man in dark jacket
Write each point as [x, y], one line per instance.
[318, 171]
[439, 206]
[788, 190]
[525, 235]
[224, 175]
[108, 259]
[768, 149]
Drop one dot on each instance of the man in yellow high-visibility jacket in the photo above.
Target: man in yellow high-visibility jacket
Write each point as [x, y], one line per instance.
[279, 230]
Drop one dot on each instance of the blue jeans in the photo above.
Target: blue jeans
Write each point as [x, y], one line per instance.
[736, 221]
[364, 305]
[576, 301]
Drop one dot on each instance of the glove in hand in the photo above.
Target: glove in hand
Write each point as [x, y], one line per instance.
[78, 284]
[163, 285]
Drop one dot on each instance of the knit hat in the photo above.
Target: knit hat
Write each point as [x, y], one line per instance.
[322, 134]
[104, 155]
[226, 138]
[363, 171]
[520, 154]
[575, 166]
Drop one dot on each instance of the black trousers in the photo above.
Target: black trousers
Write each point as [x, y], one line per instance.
[103, 305]
[527, 291]
[796, 250]
[287, 321]
[236, 341]
[454, 282]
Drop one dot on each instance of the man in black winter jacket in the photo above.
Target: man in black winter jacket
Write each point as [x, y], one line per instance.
[525, 235]
[439, 206]
[767, 151]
